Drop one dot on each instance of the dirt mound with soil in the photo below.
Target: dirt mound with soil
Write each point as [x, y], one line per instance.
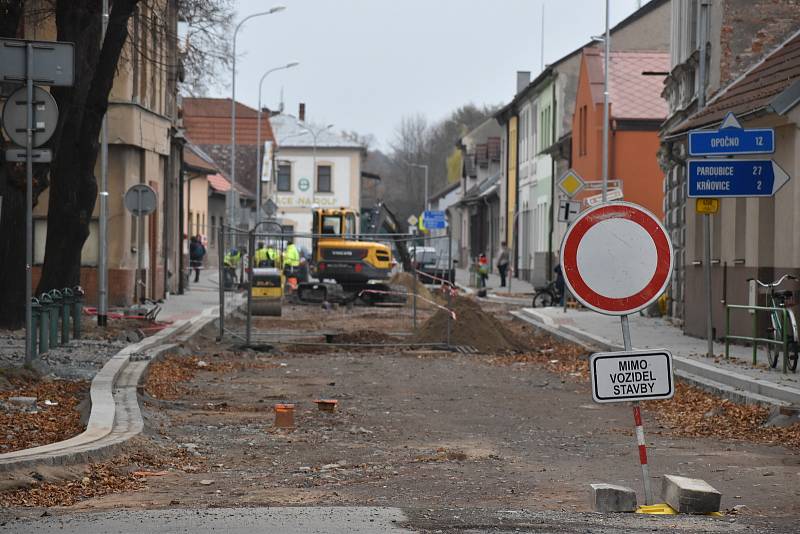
[424, 295]
[472, 327]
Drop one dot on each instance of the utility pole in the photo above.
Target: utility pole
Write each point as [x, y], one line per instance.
[102, 260]
[701, 103]
[607, 43]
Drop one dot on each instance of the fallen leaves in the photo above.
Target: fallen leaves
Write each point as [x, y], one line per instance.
[100, 479]
[47, 422]
[697, 413]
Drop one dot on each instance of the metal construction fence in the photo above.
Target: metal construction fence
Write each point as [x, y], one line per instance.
[428, 259]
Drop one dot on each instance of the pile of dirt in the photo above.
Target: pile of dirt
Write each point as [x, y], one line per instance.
[472, 327]
[424, 295]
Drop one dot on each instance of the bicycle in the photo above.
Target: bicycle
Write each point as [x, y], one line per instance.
[781, 299]
[546, 296]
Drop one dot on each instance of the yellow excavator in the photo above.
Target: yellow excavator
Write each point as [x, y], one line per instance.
[347, 268]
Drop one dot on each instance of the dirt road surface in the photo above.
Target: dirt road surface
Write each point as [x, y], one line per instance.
[458, 442]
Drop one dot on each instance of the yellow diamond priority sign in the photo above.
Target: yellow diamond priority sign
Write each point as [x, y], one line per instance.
[570, 183]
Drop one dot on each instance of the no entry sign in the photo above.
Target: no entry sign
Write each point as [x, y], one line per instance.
[631, 375]
[616, 258]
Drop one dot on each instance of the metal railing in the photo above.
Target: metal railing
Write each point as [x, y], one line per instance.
[754, 339]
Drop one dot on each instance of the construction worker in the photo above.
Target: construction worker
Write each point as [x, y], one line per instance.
[230, 263]
[261, 256]
[291, 257]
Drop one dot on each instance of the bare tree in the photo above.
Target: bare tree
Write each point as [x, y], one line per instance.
[205, 43]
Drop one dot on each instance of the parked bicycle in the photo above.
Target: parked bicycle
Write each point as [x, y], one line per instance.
[548, 295]
[781, 299]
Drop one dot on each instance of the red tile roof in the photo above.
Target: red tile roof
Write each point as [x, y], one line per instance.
[632, 93]
[208, 122]
[219, 183]
[753, 91]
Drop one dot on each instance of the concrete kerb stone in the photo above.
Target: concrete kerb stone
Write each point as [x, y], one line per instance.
[728, 384]
[690, 495]
[101, 437]
[612, 498]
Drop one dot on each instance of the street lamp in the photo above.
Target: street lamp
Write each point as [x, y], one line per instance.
[314, 135]
[275, 9]
[258, 136]
[421, 166]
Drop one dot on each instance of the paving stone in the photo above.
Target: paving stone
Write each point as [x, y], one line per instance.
[690, 495]
[612, 498]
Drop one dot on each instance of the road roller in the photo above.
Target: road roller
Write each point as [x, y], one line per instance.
[266, 291]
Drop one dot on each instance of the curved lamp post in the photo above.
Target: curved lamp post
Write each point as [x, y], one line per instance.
[275, 9]
[258, 136]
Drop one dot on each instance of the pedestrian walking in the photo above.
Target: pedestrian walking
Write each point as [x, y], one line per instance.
[196, 254]
[560, 283]
[483, 269]
[502, 263]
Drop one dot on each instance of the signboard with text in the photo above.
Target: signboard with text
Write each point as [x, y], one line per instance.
[734, 177]
[731, 140]
[631, 375]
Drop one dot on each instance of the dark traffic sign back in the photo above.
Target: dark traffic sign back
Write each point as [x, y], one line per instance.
[734, 178]
[731, 139]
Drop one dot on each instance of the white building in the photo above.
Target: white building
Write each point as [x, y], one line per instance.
[313, 167]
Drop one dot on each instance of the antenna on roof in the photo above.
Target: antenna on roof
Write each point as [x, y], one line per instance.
[280, 107]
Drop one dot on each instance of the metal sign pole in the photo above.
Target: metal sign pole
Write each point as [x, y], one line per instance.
[139, 247]
[29, 207]
[251, 244]
[450, 287]
[221, 279]
[414, 259]
[102, 263]
[707, 273]
[637, 418]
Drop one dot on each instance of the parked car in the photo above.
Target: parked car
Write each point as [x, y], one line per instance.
[431, 265]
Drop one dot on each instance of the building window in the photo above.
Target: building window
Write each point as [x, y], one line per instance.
[582, 151]
[324, 178]
[284, 177]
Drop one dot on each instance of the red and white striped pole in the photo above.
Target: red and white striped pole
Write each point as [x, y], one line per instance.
[637, 418]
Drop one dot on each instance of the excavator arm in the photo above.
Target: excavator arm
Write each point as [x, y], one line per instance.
[386, 219]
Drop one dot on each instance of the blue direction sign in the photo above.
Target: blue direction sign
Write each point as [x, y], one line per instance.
[731, 139]
[734, 178]
[434, 220]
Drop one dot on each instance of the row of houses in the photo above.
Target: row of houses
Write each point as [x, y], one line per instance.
[181, 147]
[508, 188]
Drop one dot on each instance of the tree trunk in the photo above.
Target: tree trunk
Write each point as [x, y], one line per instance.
[12, 211]
[73, 188]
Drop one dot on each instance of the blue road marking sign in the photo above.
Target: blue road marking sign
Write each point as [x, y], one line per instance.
[710, 178]
[731, 139]
[434, 220]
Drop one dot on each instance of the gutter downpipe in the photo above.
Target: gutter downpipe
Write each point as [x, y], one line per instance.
[550, 267]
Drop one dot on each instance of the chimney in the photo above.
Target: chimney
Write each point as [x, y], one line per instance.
[301, 114]
[523, 79]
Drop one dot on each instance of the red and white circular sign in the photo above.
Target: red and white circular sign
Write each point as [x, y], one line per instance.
[616, 258]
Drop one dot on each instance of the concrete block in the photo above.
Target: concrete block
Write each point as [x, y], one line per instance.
[611, 498]
[690, 495]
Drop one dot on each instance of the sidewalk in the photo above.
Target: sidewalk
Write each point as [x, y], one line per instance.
[759, 384]
[196, 297]
[493, 284]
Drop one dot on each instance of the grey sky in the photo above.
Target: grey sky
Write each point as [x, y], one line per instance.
[366, 63]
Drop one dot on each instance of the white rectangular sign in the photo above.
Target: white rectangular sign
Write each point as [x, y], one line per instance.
[612, 194]
[632, 375]
[568, 210]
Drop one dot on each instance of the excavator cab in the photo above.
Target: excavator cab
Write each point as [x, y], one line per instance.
[339, 256]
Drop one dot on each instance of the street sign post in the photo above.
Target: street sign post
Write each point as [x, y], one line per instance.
[734, 178]
[30, 62]
[631, 376]
[731, 140]
[15, 115]
[140, 200]
[434, 220]
[568, 210]
[412, 220]
[570, 183]
[616, 258]
[52, 61]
